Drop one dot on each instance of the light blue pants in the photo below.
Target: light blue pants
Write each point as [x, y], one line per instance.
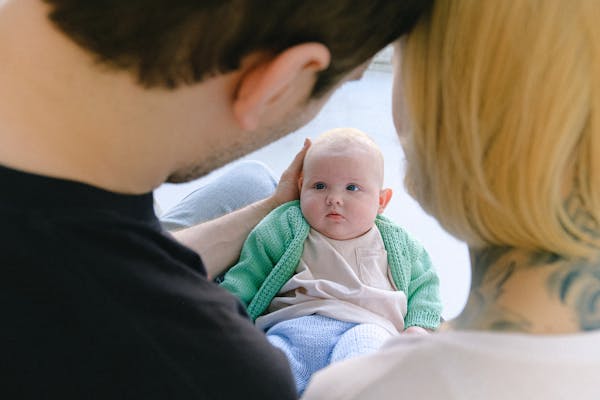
[243, 183]
[314, 341]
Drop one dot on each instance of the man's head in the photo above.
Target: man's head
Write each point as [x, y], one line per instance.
[129, 94]
[341, 185]
[504, 104]
[174, 42]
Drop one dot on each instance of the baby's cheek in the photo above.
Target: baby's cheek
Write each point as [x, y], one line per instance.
[308, 210]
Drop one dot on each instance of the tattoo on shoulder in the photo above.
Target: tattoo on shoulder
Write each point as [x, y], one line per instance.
[573, 283]
[581, 217]
[492, 268]
[577, 285]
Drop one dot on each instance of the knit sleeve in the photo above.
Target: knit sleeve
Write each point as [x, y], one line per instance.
[424, 303]
[261, 251]
[413, 272]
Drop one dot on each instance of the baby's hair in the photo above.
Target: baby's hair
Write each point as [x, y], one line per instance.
[339, 139]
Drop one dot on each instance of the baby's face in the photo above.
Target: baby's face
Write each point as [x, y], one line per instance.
[340, 191]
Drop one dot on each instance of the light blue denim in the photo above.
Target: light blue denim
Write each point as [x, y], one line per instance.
[314, 341]
[243, 183]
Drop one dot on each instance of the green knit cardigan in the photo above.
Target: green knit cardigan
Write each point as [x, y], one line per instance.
[273, 249]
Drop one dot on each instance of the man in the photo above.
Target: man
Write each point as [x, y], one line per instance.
[100, 103]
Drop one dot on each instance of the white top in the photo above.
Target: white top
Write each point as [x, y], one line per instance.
[343, 279]
[468, 365]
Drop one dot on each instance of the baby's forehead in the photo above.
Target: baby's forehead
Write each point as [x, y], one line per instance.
[349, 142]
[332, 148]
[367, 159]
[341, 138]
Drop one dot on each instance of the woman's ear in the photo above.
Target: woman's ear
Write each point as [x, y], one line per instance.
[275, 81]
[385, 195]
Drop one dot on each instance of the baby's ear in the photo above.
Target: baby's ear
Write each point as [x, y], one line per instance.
[385, 195]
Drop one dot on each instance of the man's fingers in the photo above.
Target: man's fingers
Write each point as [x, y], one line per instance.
[298, 161]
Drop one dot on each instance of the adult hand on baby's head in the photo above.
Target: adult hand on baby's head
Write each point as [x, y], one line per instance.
[287, 189]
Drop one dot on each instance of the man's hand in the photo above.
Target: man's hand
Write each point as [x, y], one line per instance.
[220, 240]
[287, 189]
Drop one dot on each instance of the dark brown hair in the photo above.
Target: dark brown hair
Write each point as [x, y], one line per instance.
[172, 42]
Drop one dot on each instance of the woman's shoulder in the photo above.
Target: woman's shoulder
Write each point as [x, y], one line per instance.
[467, 365]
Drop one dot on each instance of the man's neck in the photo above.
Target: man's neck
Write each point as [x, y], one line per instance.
[65, 116]
[530, 292]
[54, 112]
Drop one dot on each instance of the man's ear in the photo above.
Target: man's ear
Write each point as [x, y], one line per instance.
[385, 195]
[277, 79]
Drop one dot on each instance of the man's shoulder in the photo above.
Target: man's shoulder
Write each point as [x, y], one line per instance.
[135, 305]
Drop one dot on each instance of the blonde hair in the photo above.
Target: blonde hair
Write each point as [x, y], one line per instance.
[504, 102]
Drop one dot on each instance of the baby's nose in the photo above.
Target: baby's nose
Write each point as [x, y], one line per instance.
[334, 199]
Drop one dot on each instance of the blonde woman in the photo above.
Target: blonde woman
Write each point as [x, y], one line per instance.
[498, 108]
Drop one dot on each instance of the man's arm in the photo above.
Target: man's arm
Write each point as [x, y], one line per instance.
[220, 240]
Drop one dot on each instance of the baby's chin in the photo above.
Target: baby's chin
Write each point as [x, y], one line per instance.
[342, 236]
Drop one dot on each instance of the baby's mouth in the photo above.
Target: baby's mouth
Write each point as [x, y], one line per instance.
[334, 215]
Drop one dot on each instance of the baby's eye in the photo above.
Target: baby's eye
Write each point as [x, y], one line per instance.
[319, 186]
[352, 187]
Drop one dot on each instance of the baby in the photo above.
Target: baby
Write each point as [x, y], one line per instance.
[328, 277]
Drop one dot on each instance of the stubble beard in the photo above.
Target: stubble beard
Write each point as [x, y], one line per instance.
[245, 144]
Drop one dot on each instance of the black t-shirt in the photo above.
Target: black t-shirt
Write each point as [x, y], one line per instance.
[97, 301]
